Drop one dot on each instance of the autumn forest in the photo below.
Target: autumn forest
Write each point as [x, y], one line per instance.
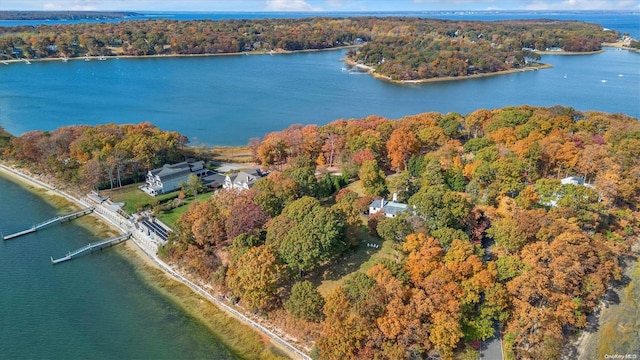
[492, 239]
[399, 48]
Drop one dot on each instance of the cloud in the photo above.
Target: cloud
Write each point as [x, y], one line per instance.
[456, 4]
[584, 5]
[335, 3]
[632, 5]
[290, 5]
[77, 5]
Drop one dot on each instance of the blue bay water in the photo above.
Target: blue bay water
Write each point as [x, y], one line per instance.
[94, 307]
[225, 100]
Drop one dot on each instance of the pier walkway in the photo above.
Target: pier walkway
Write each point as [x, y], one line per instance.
[62, 218]
[91, 246]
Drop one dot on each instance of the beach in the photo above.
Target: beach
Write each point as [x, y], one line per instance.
[214, 313]
[119, 56]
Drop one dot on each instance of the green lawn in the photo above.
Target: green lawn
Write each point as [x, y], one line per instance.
[356, 187]
[359, 259]
[170, 217]
[135, 199]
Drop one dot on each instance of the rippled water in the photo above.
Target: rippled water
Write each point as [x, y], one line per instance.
[227, 100]
[94, 307]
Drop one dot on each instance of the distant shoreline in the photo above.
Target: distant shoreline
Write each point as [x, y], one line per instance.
[52, 15]
[370, 70]
[116, 57]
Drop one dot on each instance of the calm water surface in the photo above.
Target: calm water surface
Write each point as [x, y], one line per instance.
[94, 307]
[227, 100]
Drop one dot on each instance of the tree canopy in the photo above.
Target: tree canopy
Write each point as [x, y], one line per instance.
[491, 232]
[399, 48]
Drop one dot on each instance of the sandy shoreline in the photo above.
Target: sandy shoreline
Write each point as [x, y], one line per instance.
[373, 73]
[163, 56]
[140, 254]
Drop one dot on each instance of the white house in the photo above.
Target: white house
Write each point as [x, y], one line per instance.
[169, 176]
[389, 208]
[242, 180]
[572, 180]
[577, 181]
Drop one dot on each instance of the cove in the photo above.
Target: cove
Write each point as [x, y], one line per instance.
[226, 100]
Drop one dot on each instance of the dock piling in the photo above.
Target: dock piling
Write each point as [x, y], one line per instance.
[99, 245]
[62, 218]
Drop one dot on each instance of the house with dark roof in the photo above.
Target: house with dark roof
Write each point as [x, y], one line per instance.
[242, 180]
[213, 179]
[389, 208]
[168, 178]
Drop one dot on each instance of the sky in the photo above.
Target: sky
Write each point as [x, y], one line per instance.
[318, 5]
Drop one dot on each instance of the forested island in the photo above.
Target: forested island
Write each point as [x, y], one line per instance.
[490, 233]
[64, 15]
[397, 48]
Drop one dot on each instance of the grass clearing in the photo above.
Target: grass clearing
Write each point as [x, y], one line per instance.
[619, 332]
[235, 154]
[360, 259]
[135, 199]
[170, 217]
[356, 187]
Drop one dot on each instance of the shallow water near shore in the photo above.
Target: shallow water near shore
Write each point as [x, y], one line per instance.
[95, 306]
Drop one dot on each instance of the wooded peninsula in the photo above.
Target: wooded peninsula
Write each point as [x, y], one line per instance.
[521, 216]
[398, 48]
[64, 15]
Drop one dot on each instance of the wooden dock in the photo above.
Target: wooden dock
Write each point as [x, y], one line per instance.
[90, 247]
[57, 219]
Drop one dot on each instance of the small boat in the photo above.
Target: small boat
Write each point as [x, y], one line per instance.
[620, 75]
[26, 61]
[603, 81]
[565, 76]
[102, 58]
[4, 62]
[64, 59]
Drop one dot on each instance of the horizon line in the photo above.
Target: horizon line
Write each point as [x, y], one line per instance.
[328, 11]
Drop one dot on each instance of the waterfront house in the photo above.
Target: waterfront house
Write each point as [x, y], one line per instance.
[168, 178]
[389, 208]
[242, 180]
[213, 179]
